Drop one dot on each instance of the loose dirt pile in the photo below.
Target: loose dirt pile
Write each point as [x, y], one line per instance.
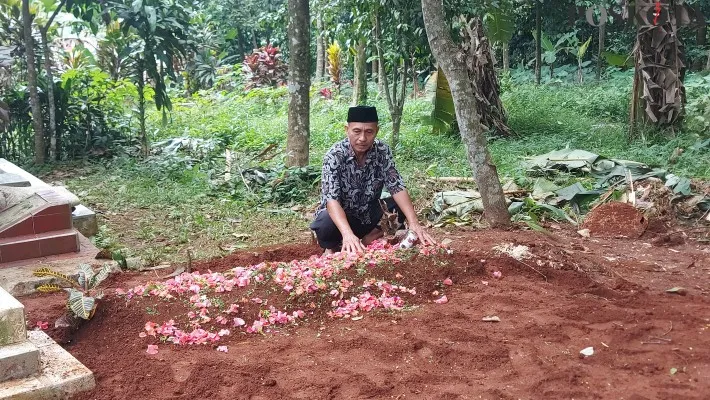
[615, 220]
[571, 293]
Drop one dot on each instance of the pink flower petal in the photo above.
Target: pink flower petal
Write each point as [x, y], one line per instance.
[152, 349]
[442, 300]
[223, 349]
[485, 282]
[448, 282]
[497, 274]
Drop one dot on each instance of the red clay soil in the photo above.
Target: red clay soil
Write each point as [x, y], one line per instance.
[615, 219]
[572, 294]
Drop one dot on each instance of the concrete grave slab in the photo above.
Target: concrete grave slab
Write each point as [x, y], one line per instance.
[12, 320]
[85, 221]
[60, 376]
[18, 361]
[14, 180]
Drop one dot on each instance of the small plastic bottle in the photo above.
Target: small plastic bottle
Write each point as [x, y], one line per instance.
[409, 240]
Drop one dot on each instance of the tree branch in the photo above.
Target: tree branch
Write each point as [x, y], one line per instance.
[54, 15]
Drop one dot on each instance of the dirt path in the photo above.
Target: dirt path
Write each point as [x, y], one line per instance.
[605, 293]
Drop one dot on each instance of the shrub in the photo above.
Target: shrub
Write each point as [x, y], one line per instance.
[264, 67]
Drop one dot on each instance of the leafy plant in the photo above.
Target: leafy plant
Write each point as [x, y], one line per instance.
[265, 68]
[82, 293]
[335, 64]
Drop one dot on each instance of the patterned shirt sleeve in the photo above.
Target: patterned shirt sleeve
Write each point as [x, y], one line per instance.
[330, 181]
[393, 180]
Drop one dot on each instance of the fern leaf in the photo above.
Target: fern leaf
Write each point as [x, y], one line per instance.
[48, 288]
[46, 272]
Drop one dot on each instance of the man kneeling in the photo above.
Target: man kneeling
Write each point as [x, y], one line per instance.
[355, 170]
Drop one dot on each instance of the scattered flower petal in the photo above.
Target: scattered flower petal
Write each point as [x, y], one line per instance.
[448, 282]
[497, 274]
[442, 300]
[152, 349]
[223, 349]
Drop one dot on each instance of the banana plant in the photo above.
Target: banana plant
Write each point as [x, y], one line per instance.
[580, 50]
[551, 50]
[82, 293]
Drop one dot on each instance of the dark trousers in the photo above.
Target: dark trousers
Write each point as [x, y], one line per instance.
[328, 235]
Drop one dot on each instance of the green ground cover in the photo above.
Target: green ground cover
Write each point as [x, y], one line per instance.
[157, 208]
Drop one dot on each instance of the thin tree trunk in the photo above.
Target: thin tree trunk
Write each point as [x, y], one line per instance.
[360, 84]
[254, 40]
[141, 111]
[320, 49]
[707, 65]
[53, 155]
[700, 41]
[394, 103]
[32, 83]
[538, 46]
[299, 83]
[242, 44]
[53, 152]
[600, 56]
[506, 57]
[451, 60]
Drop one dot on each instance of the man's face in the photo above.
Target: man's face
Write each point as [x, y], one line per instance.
[361, 135]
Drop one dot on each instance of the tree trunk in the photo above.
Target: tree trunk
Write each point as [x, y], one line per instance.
[32, 83]
[242, 45]
[360, 84]
[506, 57]
[700, 41]
[299, 83]
[707, 65]
[659, 94]
[320, 49]
[53, 154]
[141, 110]
[538, 46]
[451, 59]
[600, 56]
[254, 40]
[394, 103]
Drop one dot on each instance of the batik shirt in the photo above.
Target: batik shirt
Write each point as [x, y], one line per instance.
[356, 187]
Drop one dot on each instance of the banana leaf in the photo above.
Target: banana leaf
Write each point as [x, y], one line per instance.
[443, 115]
[499, 25]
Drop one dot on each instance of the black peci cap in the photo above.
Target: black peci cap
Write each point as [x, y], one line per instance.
[362, 114]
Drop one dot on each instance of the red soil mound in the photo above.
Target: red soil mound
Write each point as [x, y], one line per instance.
[614, 220]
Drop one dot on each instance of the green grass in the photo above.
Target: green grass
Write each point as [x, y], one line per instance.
[156, 209]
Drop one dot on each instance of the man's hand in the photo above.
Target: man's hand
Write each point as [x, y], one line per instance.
[352, 244]
[422, 234]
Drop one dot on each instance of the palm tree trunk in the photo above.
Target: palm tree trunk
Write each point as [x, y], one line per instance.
[506, 57]
[451, 60]
[299, 83]
[32, 83]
